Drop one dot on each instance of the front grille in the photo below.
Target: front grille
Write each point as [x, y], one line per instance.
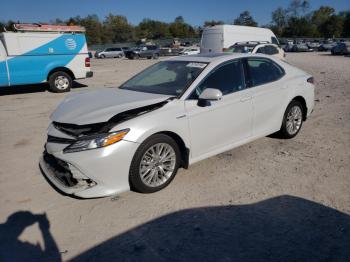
[60, 169]
[59, 140]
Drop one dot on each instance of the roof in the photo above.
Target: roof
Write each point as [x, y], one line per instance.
[208, 57]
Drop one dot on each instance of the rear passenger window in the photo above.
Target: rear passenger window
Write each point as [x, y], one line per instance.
[227, 78]
[262, 71]
[261, 50]
[271, 50]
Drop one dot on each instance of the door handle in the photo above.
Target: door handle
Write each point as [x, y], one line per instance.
[246, 98]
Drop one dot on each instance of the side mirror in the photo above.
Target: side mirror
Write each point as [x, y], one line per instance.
[209, 94]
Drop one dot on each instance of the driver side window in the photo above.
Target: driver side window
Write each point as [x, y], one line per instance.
[228, 78]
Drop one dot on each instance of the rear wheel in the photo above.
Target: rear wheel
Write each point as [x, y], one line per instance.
[155, 164]
[292, 120]
[155, 56]
[102, 56]
[60, 82]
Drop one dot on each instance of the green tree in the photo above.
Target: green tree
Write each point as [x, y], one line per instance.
[320, 17]
[117, 29]
[245, 19]
[94, 29]
[346, 23]
[213, 22]
[152, 29]
[333, 27]
[298, 7]
[181, 29]
[279, 20]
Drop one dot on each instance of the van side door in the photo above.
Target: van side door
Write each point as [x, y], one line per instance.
[4, 79]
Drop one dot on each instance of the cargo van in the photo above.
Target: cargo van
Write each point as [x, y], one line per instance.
[35, 53]
[220, 37]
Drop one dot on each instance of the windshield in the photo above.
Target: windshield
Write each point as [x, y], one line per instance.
[166, 78]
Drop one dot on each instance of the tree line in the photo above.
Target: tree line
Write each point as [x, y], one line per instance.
[294, 21]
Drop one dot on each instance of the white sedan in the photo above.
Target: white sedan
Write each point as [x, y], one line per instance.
[191, 51]
[171, 115]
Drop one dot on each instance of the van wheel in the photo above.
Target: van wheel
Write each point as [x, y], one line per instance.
[60, 82]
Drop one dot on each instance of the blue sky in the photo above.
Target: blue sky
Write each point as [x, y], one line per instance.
[194, 11]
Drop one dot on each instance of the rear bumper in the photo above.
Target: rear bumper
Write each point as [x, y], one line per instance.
[89, 74]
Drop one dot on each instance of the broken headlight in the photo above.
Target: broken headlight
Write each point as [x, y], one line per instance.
[92, 142]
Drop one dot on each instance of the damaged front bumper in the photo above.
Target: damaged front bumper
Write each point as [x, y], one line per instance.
[89, 174]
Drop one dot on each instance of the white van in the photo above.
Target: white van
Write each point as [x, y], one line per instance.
[220, 37]
[37, 53]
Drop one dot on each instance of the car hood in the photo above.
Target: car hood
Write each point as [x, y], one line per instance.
[100, 106]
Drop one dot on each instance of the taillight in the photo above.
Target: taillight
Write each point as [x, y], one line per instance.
[87, 62]
[311, 80]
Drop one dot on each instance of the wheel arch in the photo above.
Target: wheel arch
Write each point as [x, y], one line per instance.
[185, 151]
[301, 100]
[61, 69]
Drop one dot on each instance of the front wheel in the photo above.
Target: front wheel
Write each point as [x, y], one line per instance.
[292, 120]
[60, 82]
[154, 164]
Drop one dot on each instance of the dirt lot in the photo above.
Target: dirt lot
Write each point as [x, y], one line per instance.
[270, 200]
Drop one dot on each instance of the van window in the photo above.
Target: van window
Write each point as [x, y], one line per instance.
[227, 78]
[274, 40]
[262, 71]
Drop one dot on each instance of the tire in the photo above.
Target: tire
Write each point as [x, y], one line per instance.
[291, 125]
[60, 82]
[102, 56]
[149, 57]
[153, 166]
[155, 56]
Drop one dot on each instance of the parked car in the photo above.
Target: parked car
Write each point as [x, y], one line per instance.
[342, 48]
[148, 51]
[300, 47]
[314, 45]
[220, 37]
[190, 51]
[38, 53]
[186, 44]
[171, 115]
[326, 46]
[257, 48]
[111, 52]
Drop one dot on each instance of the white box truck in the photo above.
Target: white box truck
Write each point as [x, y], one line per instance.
[36, 53]
[220, 37]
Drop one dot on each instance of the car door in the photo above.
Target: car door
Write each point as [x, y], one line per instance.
[223, 122]
[265, 79]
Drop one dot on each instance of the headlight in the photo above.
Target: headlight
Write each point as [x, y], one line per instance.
[92, 142]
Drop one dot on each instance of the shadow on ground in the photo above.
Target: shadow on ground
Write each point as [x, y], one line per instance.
[13, 249]
[280, 229]
[283, 229]
[27, 89]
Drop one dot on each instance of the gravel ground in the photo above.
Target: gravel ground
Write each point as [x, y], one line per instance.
[270, 200]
